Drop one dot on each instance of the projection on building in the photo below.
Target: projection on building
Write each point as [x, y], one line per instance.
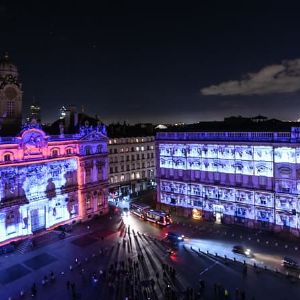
[42, 193]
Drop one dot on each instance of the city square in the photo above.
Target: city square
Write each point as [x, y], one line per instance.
[149, 150]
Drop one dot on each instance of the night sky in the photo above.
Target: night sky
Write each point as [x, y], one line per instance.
[148, 62]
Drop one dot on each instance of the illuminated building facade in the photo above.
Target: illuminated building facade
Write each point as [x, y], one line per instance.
[47, 180]
[248, 178]
[131, 165]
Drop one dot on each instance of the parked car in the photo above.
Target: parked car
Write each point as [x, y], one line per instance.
[65, 228]
[242, 250]
[289, 263]
[175, 237]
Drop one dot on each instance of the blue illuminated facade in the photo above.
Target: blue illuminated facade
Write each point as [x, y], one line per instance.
[249, 178]
[47, 180]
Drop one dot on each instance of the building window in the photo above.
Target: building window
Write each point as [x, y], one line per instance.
[121, 150]
[115, 150]
[88, 201]
[100, 173]
[137, 156]
[99, 199]
[132, 157]
[148, 155]
[122, 158]
[111, 180]
[143, 156]
[142, 148]
[54, 153]
[87, 150]
[111, 170]
[127, 157]
[137, 148]
[116, 169]
[7, 157]
[126, 149]
[88, 173]
[122, 178]
[127, 168]
[122, 168]
[99, 149]
[132, 149]
[11, 109]
[132, 176]
[152, 155]
[110, 151]
[68, 151]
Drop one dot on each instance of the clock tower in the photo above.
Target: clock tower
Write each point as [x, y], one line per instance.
[10, 96]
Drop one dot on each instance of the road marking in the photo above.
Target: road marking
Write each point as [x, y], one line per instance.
[208, 268]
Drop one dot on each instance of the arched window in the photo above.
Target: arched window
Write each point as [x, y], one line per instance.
[69, 151]
[87, 150]
[7, 157]
[54, 152]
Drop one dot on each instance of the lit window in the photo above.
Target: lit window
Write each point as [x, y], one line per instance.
[88, 201]
[7, 157]
[137, 140]
[122, 177]
[142, 148]
[122, 150]
[137, 148]
[137, 175]
[132, 175]
[110, 142]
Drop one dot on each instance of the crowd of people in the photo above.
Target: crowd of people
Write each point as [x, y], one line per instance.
[131, 277]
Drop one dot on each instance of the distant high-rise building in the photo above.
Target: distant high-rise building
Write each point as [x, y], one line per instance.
[62, 112]
[35, 111]
[10, 94]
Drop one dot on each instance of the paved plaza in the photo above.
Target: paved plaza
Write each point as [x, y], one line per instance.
[111, 258]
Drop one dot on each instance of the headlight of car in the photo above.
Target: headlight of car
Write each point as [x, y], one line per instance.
[247, 251]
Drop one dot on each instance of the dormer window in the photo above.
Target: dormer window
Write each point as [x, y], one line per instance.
[7, 157]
